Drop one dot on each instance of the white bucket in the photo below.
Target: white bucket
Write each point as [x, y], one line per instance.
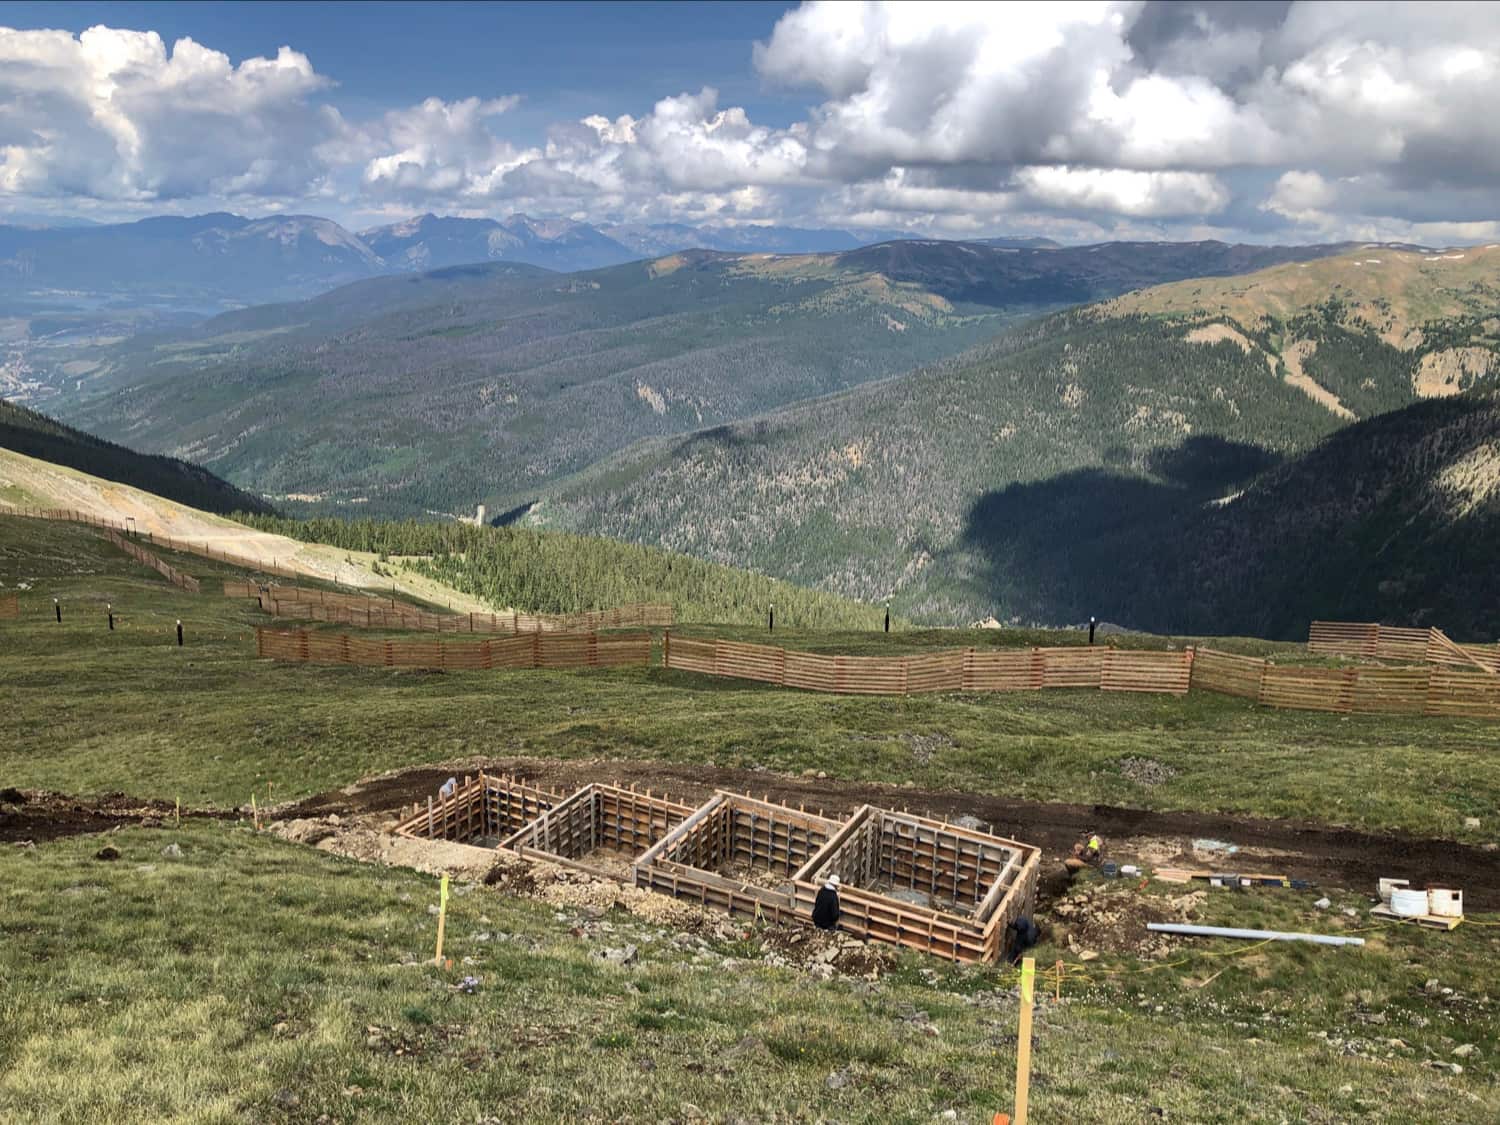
[1408, 903]
[1445, 902]
[1388, 885]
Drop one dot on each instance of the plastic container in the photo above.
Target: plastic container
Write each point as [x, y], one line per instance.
[1388, 885]
[1408, 903]
[1445, 902]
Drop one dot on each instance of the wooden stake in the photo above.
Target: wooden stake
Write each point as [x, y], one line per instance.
[1023, 1040]
[443, 919]
[1057, 995]
[255, 812]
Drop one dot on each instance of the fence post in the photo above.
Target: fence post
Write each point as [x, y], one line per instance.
[666, 648]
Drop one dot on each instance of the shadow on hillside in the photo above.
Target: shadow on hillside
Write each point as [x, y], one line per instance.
[1107, 542]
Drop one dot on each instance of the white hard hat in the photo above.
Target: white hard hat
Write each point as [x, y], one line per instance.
[833, 881]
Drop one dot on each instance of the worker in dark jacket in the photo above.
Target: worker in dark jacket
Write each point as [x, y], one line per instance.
[1024, 935]
[826, 906]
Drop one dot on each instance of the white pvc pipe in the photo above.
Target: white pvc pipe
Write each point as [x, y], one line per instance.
[1257, 935]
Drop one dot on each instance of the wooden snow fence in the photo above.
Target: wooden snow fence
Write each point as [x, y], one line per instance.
[155, 562]
[311, 604]
[531, 650]
[1411, 690]
[623, 821]
[924, 884]
[71, 515]
[737, 854]
[1391, 642]
[952, 670]
[481, 811]
[10, 606]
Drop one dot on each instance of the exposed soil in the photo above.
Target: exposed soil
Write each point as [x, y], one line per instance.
[1322, 854]
[36, 815]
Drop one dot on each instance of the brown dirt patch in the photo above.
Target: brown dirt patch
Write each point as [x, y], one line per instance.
[36, 815]
[1327, 855]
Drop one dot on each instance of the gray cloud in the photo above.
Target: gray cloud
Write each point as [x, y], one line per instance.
[1110, 118]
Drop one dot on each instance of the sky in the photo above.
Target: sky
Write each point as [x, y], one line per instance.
[1266, 121]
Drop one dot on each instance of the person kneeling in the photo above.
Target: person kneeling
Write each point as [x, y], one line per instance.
[826, 906]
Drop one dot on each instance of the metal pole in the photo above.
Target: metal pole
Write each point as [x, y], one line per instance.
[1255, 935]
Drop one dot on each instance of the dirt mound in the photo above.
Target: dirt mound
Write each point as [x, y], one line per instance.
[36, 815]
[1112, 918]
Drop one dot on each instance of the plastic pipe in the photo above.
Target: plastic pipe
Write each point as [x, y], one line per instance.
[1254, 935]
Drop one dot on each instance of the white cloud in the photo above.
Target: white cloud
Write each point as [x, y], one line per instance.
[951, 116]
[114, 115]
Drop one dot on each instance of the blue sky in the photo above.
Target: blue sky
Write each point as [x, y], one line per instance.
[564, 59]
[1277, 121]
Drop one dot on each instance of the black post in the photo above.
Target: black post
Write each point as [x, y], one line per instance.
[111, 611]
[179, 634]
[887, 619]
[771, 619]
[1092, 622]
[57, 608]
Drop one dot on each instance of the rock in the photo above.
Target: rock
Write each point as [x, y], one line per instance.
[822, 775]
[837, 1080]
[171, 851]
[1346, 1090]
[1350, 912]
[1323, 904]
[1088, 955]
[108, 851]
[285, 1099]
[809, 773]
[1465, 1050]
[12, 796]
[1431, 985]
[1469, 821]
[622, 955]
[333, 819]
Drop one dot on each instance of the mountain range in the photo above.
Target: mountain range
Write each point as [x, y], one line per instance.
[490, 382]
[208, 262]
[1048, 475]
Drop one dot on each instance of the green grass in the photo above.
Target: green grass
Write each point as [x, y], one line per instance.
[85, 710]
[208, 988]
[254, 979]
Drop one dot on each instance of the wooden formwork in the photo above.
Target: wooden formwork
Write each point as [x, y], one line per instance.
[623, 821]
[478, 810]
[984, 883]
[733, 833]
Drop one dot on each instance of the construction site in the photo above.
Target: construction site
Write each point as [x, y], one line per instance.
[907, 880]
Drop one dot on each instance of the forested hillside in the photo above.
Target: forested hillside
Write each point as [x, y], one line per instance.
[1393, 519]
[550, 572]
[486, 383]
[982, 485]
[36, 435]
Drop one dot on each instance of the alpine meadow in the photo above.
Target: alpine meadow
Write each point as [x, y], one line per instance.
[749, 562]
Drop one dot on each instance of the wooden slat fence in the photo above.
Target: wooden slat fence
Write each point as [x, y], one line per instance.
[1412, 690]
[70, 515]
[311, 604]
[155, 562]
[532, 650]
[953, 670]
[1392, 642]
[10, 606]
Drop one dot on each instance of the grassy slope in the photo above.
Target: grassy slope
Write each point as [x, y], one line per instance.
[124, 996]
[36, 435]
[208, 724]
